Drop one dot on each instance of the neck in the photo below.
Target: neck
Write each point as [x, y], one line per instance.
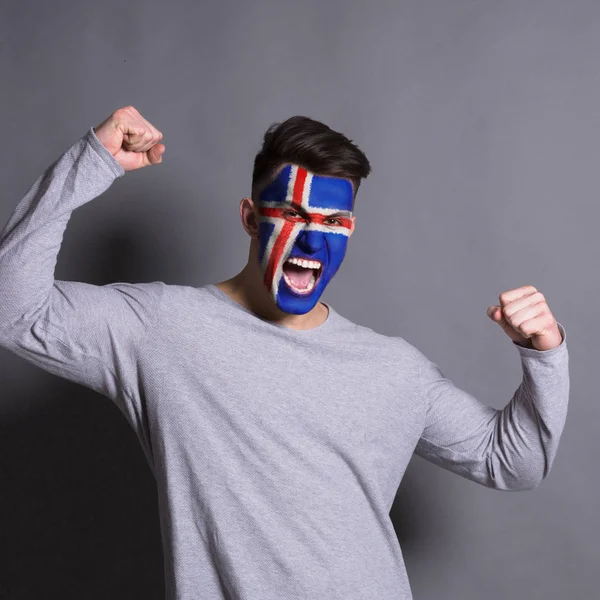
[247, 289]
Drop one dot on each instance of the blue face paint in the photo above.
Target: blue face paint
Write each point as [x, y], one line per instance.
[304, 219]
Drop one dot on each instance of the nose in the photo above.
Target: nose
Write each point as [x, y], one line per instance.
[310, 241]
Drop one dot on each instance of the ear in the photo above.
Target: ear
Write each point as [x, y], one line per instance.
[353, 226]
[249, 217]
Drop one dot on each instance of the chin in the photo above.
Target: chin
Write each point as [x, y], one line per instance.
[296, 308]
[293, 303]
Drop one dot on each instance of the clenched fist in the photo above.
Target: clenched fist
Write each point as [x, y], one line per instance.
[131, 139]
[526, 318]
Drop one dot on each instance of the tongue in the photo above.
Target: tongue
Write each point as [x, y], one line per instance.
[299, 276]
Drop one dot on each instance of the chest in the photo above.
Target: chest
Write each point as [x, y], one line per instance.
[342, 392]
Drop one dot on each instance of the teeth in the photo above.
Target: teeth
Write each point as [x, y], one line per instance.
[306, 264]
[311, 284]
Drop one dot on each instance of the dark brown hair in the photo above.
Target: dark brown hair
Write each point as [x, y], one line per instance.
[312, 145]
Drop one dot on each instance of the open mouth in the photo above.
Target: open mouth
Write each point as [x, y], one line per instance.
[301, 274]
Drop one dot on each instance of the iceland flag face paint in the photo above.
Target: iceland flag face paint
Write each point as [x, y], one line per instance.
[304, 224]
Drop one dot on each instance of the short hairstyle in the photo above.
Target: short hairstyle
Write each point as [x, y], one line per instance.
[312, 145]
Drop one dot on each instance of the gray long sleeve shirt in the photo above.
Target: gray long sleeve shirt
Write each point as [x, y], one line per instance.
[277, 452]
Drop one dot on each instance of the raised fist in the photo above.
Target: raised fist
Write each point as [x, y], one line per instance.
[131, 139]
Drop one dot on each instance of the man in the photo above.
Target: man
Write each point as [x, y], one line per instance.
[278, 430]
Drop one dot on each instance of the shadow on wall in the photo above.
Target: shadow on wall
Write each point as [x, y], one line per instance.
[78, 508]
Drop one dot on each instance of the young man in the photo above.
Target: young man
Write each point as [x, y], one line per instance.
[278, 431]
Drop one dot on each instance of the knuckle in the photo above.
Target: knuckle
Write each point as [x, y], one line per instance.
[527, 328]
[122, 113]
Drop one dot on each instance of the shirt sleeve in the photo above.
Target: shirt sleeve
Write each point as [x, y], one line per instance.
[506, 449]
[85, 333]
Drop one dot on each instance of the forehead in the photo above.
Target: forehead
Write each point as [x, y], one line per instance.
[294, 184]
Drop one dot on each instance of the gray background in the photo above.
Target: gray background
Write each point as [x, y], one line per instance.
[481, 120]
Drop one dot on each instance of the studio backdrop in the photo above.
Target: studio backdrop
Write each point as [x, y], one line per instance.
[481, 120]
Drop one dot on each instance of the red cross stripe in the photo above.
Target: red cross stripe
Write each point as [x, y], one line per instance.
[311, 217]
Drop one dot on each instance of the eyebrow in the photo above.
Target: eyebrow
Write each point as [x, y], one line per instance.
[341, 213]
[301, 209]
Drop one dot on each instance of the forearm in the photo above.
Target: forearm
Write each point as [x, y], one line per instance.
[529, 428]
[506, 449]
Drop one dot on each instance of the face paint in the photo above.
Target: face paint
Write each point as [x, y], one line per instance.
[304, 224]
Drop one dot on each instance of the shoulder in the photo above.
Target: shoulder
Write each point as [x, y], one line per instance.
[388, 347]
[173, 294]
[178, 299]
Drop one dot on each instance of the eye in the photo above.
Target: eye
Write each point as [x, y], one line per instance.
[333, 221]
[291, 213]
